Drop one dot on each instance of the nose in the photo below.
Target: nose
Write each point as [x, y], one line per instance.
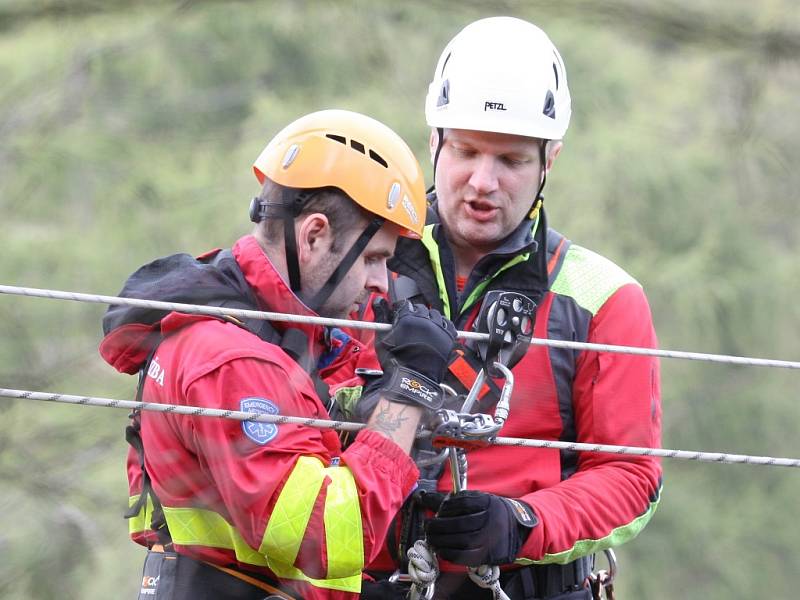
[484, 175]
[378, 279]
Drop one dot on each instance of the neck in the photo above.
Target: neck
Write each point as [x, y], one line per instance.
[465, 256]
[276, 256]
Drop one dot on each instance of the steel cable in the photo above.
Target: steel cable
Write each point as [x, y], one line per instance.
[713, 457]
[469, 335]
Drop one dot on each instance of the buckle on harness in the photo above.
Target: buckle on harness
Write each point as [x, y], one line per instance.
[602, 582]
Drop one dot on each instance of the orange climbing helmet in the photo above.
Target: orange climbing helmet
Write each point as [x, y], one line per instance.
[354, 153]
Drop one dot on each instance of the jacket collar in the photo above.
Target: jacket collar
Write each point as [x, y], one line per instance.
[272, 292]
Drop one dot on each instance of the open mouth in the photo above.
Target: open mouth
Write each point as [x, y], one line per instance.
[481, 211]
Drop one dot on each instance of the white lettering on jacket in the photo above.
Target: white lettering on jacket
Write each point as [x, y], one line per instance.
[154, 371]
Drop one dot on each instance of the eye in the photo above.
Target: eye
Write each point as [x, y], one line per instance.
[514, 161]
[463, 151]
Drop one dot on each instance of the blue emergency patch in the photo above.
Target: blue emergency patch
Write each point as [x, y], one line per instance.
[260, 433]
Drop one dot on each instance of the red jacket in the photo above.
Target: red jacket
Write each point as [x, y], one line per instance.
[243, 495]
[586, 501]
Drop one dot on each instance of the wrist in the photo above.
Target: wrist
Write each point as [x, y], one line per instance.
[522, 513]
[407, 386]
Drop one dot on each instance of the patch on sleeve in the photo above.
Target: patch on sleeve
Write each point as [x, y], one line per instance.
[260, 433]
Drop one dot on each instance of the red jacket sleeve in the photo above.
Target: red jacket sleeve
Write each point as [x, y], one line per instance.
[246, 474]
[616, 401]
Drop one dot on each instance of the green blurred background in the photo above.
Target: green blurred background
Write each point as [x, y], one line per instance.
[127, 131]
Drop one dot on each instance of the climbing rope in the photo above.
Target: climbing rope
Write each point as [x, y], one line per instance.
[713, 457]
[488, 577]
[423, 569]
[346, 323]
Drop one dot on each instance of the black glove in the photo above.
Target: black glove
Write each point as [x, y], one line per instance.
[414, 355]
[420, 339]
[475, 528]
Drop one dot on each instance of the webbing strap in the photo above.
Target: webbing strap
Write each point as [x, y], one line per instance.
[147, 498]
[347, 261]
[262, 585]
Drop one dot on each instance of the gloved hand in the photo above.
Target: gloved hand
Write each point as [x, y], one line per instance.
[474, 528]
[420, 339]
[414, 355]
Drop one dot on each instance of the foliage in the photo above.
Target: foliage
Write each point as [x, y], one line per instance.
[127, 132]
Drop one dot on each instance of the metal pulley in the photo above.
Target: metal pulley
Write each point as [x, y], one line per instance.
[508, 318]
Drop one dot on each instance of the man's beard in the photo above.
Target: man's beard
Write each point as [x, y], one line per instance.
[338, 309]
[332, 307]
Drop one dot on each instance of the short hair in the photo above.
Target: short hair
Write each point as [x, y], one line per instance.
[343, 212]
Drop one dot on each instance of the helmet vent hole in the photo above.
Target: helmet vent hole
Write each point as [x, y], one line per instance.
[549, 105]
[555, 72]
[337, 138]
[378, 158]
[355, 145]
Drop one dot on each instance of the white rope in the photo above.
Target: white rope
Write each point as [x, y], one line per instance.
[468, 335]
[423, 569]
[488, 577]
[195, 411]
[713, 457]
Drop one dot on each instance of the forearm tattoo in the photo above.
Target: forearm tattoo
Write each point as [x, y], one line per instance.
[388, 420]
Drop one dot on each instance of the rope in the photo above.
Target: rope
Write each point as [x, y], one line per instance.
[488, 577]
[194, 411]
[423, 568]
[713, 457]
[344, 323]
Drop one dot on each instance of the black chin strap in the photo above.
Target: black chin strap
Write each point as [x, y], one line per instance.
[292, 201]
[344, 266]
[543, 164]
[439, 144]
[540, 235]
[290, 207]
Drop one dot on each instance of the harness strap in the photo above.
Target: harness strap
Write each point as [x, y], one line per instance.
[347, 261]
[133, 436]
[262, 585]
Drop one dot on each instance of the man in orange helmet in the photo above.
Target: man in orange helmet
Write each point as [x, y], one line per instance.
[248, 510]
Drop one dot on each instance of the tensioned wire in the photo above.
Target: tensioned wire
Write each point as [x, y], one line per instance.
[345, 323]
[714, 457]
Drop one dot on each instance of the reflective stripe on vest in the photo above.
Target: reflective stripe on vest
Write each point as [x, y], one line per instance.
[589, 278]
[433, 252]
[584, 547]
[141, 521]
[286, 527]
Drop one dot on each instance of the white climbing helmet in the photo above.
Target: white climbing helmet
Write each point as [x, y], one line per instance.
[500, 74]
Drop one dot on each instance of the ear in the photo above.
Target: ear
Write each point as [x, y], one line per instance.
[314, 237]
[553, 150]
[433, 142]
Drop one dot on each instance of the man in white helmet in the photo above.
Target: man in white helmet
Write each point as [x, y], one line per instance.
[499, 107]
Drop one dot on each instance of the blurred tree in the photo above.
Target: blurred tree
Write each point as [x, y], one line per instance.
[128, 131]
